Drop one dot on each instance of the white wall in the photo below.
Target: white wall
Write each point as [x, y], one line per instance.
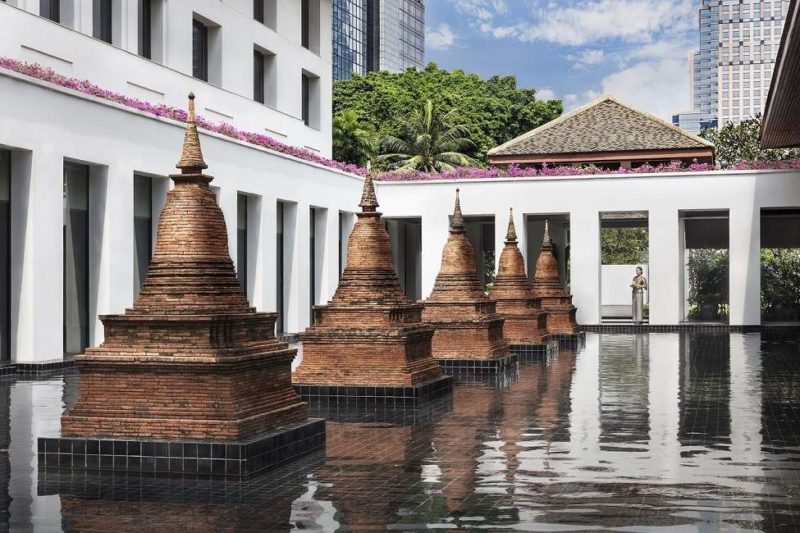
[616, 283]
[119, 68]
[743, 193]
[44, 125]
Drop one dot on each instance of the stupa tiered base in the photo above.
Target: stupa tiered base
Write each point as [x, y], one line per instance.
[369, 344]
[191, 368]
[548, 288]
[468, 333]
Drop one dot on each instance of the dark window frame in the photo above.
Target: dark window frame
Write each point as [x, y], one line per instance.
[146, 28]
[102, 20]
[259, 76]
[50, 9]
[199, 50]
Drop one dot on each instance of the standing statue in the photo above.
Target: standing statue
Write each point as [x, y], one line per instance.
[638, 286]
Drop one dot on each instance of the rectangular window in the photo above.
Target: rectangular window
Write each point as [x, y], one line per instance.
[279, 271]
[258, 10]
[102, 20]
[5, 255]
[305, 37]
[146, 28]
[50, 9]
[142, 228]
[241, 240]
[305, 99]
[76, 258]
[259, 64]
[199, 50]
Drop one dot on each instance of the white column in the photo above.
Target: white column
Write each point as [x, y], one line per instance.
[227, 198]
[665, 260]
[111, 235]
[38, 277]
[664, 404]
[297, 258]
[328, 249]
[265, 268]
[348, 221]
[745, 266]
[585, 264]
[434, 237]
[254, 243]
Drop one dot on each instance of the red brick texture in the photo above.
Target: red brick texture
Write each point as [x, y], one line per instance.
[370, 333]
[466, 320]
[526, 322]
[191, 359]
[548, 287]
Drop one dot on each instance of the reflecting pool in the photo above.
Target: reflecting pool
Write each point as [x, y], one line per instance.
[687, 431]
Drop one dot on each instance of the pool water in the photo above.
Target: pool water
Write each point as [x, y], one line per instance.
[687, 431]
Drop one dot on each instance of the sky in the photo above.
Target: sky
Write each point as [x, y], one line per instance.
[573, 50]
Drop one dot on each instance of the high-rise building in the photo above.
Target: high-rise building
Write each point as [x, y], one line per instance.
[373, 35]
[349, 38]
[731, 71]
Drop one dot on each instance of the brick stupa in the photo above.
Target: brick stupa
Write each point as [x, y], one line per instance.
[548, 287]
[191, 362]
[369, 341]
[469, 332]
[526, 322]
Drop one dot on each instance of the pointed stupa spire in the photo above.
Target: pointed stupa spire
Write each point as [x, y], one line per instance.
[457, 222]
[511, 236]
[546, 240]
[191, 161]
[369, 202]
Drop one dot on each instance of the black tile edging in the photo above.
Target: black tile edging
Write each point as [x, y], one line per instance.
[498, 364]
[398, 395]
[229, 459]
[651, 328]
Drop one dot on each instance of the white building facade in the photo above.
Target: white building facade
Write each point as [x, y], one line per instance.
[82, 179]
[676, 205]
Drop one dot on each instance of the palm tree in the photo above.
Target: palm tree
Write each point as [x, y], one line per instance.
[428, 142]
[353, 142]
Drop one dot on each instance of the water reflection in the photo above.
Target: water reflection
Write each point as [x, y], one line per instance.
[698, 431]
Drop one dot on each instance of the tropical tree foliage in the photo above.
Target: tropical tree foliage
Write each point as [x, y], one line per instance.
[494, 109]
[428, 143]
[780, 283]
[623, 246]
[739, 142]
[353, 140]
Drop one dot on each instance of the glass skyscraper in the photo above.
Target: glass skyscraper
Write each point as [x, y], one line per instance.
[377, 35]
[731, 71]
[349, 38]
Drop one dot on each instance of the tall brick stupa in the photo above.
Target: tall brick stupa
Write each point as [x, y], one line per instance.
[469, 332]
[369, 341]
[548, 287]
[526, 322]
[191, 379]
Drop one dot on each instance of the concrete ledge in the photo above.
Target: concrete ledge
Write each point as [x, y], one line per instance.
[222, 458]
[498, 364]
[411, 395]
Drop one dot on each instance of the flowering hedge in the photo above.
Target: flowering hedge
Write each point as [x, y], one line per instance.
[39, 72]
[546, 171]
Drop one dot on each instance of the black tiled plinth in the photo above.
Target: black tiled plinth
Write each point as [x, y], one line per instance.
[572, 341]
[499, 364]
[700, 327]
[230, 459]
[524, 351]
[361, 394]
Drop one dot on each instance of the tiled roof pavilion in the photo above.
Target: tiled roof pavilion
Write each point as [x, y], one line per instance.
[605, 132]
